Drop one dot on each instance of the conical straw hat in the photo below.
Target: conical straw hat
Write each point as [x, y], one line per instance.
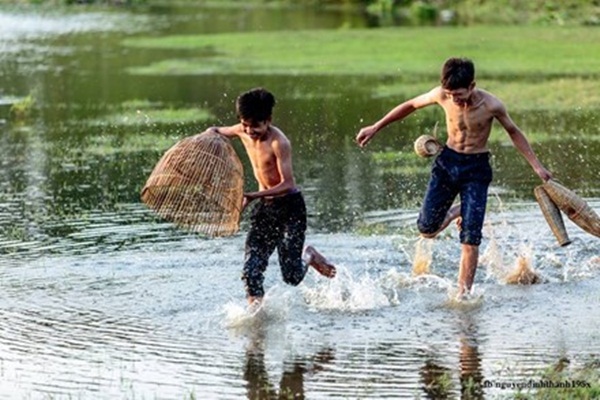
[198, 185]
[552, 215]
[576, 209]
[427, 146]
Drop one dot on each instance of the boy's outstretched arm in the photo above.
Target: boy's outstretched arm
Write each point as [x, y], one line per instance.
[521, 142]
[229, 131]
[399, 112]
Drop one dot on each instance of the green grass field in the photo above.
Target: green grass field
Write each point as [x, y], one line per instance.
[531, 67]
[528, 52]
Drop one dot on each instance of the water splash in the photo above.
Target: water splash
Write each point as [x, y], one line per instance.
[347, 293]
[369, 291]
[273, 308]
[465, 302]
[423, 257]
[521, 271]
[494, 259]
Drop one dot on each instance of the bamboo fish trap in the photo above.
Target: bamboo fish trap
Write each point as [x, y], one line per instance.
[427, 146]
[575, 208]
[552, 197]
[198, 185]
[552, 215]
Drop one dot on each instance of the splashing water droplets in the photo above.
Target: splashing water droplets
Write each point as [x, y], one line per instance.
[423, 257]
[346, 293]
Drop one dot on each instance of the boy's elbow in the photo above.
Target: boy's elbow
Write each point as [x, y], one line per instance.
[223, 131]
[212, 129]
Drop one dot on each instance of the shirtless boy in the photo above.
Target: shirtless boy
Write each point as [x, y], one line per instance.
[279, 219]
[463, 167]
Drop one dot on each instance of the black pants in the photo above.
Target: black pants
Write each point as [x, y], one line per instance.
[275, 223]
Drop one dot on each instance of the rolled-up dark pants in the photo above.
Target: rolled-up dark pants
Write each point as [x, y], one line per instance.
[278, 223]
[453, 174]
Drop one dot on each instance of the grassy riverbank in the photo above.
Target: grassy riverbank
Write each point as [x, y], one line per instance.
[526, 51]
[541, 67]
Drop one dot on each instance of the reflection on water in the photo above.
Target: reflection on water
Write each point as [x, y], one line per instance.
[471, 373]
[101, 300]
[295, 371]
[437, 380]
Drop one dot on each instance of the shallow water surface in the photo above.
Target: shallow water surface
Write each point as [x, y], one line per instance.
[101, 300]
[166, 319]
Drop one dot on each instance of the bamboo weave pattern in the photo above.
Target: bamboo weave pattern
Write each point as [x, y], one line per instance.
[552, 215]
[552, 197]
[576, 209]
[427, 146]
[198, 185]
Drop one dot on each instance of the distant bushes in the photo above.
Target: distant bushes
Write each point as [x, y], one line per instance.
[419, 12]
[74, 2]
[472, 12]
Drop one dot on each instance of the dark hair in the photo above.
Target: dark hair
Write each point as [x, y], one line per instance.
[457, 73]
[255, 105]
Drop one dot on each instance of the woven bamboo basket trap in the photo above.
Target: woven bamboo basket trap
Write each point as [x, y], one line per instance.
[575, 208]
[552, 196]
[198, 185]
[427, 146]
[552, 215]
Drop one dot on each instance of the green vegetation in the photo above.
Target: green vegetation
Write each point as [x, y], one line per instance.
[471, 12]
[76, 2]
[528, 67]
[400, 162]
[583, 383]
[107, 145]
[540, 137]
[22, 109]
[406, 12]
[550, 94]
[407, 52]
[143, 116]
[141, 112]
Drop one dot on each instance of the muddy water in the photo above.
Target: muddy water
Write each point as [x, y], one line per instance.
[100, 300]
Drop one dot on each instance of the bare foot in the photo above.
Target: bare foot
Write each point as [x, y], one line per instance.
[452, 214]
[254, 302]
[461, 294]
[318, 262]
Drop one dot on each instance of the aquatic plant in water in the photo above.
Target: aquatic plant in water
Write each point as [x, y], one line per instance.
[23, 108]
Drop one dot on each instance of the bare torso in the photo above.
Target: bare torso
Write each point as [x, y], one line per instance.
[265, 157]
[469, 126]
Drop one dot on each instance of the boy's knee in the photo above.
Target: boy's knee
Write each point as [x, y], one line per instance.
[427, 229]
